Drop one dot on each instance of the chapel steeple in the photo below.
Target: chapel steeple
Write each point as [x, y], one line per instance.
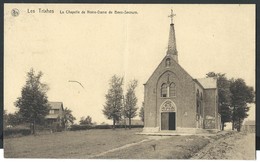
[172, 49]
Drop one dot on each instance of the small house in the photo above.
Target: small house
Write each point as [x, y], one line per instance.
[55, 115]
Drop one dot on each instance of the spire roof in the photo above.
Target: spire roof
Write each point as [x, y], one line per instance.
[172, 42]
[172, 49]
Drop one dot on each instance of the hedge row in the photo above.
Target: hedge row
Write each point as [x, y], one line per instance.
[86, 127]
[16, 132]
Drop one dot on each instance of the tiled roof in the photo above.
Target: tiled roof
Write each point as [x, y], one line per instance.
[208, 83]
[55, 105]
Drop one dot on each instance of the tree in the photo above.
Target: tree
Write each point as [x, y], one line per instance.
[241, 96]
[68, 118]
[225, 112]
[85, 121]
[130, 103]
[224, 96]
[141, 113]
[33, 103]
[113, 106]
[14, 119]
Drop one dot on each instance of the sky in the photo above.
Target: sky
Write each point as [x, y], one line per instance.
[91, 48]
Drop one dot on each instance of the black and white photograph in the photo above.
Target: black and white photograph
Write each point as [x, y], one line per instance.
[129, 81]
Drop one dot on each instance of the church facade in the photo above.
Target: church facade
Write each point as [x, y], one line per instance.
[174, 101]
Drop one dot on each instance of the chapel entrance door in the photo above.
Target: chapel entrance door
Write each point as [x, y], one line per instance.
[165, 121]
[172, 120]
[168, 121]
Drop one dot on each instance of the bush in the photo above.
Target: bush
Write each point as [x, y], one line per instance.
[86, 127]
[14, 132]
[132, 126]
[80, 127]
[55, 127]
[137, 126]
[102, 127]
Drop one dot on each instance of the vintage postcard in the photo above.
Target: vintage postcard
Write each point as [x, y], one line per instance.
[129, 81]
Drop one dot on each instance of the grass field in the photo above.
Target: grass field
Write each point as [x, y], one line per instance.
[101, 143]
[70, 144]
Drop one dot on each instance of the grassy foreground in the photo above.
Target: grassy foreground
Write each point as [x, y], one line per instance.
[100, 143]
[71, 144]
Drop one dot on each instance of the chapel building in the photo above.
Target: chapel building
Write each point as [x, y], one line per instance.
[174, 101]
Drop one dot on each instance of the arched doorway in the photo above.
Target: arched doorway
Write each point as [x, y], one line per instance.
[168, 115]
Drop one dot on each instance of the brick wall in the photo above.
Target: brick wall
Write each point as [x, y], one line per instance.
[185, 98]
[210, 109]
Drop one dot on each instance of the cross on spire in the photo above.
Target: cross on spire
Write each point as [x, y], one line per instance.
[171, 16]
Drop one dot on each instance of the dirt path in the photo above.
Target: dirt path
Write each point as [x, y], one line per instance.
[149, 138]
[119, 148]
[237, 146]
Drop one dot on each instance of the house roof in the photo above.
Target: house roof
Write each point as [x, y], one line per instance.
[56, 105]
[249, 122]
[52, 116]
[208, 83]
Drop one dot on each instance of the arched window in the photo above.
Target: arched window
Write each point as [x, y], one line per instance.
[164, 90]
[172, 89]
[201, 96]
